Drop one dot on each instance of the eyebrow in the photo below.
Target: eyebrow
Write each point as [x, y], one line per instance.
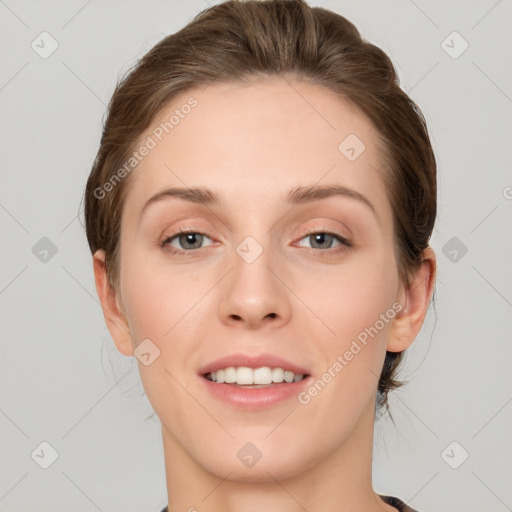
[297, 195]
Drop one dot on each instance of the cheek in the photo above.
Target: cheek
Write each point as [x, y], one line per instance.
[352, 298]
[362, 306]
[357, 306]
[158, 297]
[167, 306]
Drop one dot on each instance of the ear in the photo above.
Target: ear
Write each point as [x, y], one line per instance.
[112, 311]
[415, 299]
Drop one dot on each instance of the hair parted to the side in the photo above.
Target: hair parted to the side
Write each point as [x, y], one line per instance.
[250, 40]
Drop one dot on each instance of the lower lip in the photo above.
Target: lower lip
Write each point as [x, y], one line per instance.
[255, 398]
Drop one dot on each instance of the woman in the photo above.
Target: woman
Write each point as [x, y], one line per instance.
[259, 213]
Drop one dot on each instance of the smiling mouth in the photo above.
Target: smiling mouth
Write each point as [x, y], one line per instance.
[245, 377]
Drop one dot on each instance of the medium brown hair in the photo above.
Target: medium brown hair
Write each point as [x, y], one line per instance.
[238, 41]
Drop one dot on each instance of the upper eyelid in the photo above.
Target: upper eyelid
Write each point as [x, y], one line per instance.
[309, 231]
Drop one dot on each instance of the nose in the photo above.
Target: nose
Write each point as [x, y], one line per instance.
[254, 294]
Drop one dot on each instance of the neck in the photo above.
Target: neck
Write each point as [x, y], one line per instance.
[341, 481]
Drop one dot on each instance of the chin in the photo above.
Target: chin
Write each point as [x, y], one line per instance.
[262, 461]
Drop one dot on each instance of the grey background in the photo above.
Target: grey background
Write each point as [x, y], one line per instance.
[62, 380]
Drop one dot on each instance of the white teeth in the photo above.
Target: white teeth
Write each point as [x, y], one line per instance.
[262, 375]
[244, 376]
[277, 375]
[230, 375]
[288, 376]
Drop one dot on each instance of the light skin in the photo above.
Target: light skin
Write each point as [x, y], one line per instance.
[304, 298]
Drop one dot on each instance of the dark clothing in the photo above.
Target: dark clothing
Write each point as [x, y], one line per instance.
[394, 502]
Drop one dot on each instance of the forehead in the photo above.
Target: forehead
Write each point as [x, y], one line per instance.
[255, 141]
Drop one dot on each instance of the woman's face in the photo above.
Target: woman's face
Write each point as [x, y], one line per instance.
[253, 282]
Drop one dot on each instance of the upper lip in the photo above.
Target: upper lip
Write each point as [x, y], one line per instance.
[252, 361]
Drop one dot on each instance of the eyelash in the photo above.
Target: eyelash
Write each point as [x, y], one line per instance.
[345, 243]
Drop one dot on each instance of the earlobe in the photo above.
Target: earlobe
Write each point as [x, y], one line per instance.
[415, 299]
[114, 316]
